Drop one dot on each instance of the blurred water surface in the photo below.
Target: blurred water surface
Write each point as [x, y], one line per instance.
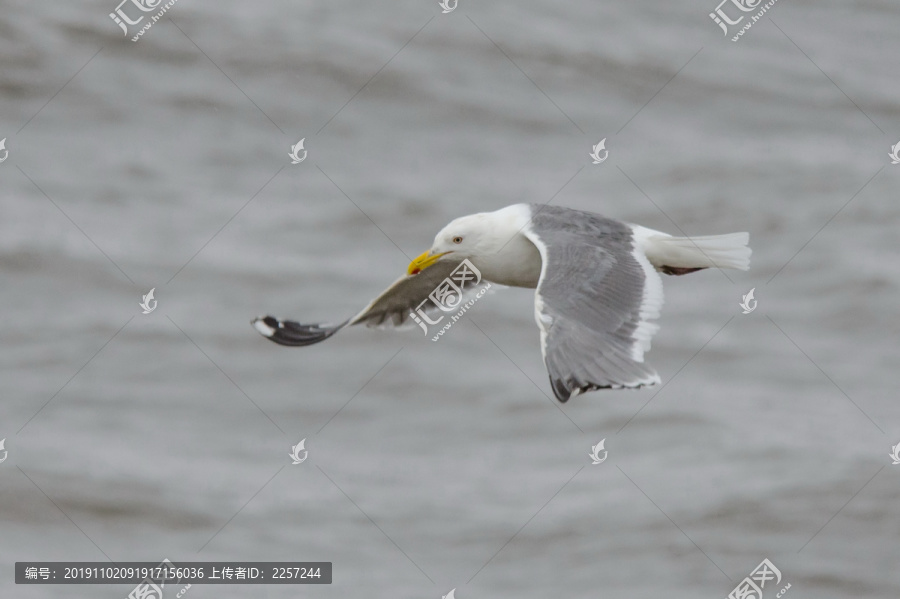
[163, 164]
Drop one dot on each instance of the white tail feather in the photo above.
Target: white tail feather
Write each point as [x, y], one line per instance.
[707, 251]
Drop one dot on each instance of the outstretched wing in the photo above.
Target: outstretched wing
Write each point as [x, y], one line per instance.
[393, 306]
[593, 303]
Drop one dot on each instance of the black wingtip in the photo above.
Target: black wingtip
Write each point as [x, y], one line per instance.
[560, 390]
[565, 390]
[294, 334]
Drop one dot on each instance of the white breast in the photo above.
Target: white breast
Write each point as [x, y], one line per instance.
[517, 264]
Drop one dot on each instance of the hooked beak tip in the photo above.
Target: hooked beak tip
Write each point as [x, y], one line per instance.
[423, 261]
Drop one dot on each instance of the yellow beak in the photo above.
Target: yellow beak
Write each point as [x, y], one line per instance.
[423, 261]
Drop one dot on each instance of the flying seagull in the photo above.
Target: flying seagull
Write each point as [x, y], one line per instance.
[596, 282]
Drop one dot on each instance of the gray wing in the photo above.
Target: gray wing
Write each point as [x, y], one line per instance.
[393, 306]
[593, 303]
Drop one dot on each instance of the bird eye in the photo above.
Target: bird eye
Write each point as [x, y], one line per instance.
[457, 239]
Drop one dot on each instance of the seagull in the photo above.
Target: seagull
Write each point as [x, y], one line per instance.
[596, 281]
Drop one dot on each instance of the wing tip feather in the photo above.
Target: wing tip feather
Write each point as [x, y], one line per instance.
[565, 390]
[294, 334]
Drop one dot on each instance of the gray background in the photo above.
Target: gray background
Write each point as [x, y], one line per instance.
[163, 163]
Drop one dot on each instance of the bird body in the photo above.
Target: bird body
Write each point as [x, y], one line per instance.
[507, 259]
[596, 281]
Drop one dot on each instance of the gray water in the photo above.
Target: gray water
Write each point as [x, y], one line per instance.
[163, 164]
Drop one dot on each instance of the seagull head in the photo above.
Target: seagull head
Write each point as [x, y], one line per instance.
[465, 237]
